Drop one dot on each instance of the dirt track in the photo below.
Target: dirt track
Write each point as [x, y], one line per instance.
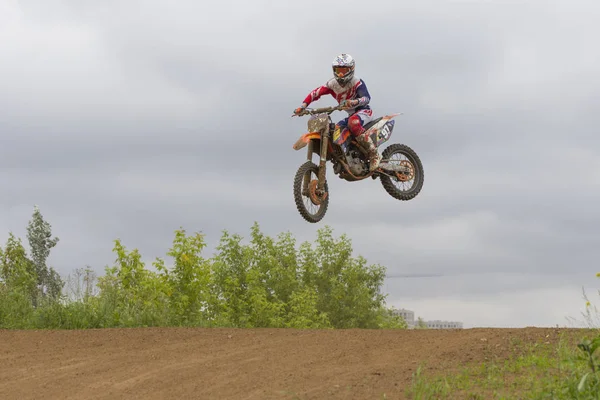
[236, 364]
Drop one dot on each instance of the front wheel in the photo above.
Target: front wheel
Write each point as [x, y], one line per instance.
[307, 195]
[409, 184]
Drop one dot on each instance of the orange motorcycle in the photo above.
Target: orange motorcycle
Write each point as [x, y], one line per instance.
[350, 162]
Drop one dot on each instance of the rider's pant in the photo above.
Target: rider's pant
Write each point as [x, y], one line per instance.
[356, 122]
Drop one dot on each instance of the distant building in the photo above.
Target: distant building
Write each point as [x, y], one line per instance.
[409, 317]
[437, 324]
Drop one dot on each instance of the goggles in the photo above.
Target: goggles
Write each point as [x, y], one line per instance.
[341, 71]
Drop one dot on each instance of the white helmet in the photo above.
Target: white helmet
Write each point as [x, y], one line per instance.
[343, 68]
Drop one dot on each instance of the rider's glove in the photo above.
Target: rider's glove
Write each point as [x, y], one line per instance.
[300, 109]
[349, 103]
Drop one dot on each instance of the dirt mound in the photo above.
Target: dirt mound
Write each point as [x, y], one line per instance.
[169, 363]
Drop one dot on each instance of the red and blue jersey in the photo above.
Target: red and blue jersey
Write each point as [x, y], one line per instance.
[355, 90]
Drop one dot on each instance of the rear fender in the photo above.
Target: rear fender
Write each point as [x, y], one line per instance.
[382, 130]
[304, 139]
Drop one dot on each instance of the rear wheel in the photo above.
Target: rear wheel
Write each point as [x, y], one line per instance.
[311, 203]
[403, 186]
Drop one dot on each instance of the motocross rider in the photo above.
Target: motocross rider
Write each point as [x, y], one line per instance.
[352, 94]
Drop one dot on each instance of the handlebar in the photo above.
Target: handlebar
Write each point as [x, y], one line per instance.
[327, 110]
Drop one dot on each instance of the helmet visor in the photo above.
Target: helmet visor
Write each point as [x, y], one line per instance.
[341, 71]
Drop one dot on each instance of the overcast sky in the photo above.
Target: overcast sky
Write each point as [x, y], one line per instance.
[129, 119]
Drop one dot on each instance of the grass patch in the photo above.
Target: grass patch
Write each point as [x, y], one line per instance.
[566, 369]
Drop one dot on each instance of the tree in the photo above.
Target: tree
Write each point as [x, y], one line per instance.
[188, 280]
[269, 283]
[81, 285]
[39, 235]
[16, 270]
[348, 290]
[17, 284]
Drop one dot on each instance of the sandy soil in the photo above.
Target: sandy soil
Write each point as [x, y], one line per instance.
[180, 363]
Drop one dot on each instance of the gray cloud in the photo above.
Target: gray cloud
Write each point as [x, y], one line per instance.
[132, 119]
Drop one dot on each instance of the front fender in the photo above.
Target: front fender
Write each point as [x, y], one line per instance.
[304, 139]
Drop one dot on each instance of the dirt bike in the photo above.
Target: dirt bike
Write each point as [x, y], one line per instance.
[350, 161]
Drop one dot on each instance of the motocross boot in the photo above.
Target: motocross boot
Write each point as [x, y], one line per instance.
[372, 153]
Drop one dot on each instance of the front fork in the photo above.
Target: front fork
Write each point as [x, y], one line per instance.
[306, 179]
[322, 162]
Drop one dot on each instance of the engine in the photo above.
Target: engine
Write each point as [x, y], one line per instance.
[355, 162]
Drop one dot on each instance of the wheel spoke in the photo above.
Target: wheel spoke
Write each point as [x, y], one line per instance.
[311, 206]
[403, 186]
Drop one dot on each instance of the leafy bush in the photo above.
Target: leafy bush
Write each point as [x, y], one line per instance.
[268, 282]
